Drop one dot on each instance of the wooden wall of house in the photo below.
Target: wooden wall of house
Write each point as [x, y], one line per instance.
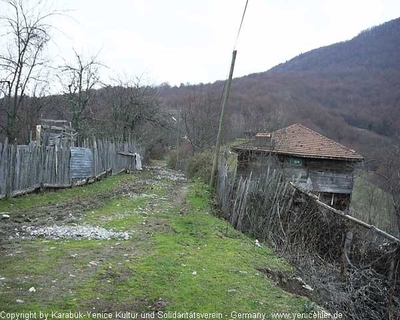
[316, 175]
[322, 175]
[254, 162]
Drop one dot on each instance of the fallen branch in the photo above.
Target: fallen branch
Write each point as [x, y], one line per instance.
[346, 216]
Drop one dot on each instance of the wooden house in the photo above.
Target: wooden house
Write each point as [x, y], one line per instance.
[309, 159]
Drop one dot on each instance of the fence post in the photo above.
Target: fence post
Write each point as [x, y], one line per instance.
[43, 157]
[95, 160]
[7, 169]
[10, 175]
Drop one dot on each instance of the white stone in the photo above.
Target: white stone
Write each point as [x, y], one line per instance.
[257, 243]
[307, 287]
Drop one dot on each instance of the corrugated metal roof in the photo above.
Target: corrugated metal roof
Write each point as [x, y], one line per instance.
[81, 163]
[298, 140]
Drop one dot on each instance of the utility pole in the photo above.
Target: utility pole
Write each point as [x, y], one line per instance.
[221, 120]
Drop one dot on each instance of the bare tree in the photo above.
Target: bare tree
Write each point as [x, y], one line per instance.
[386, 176]
[79, 79]
[391, 177]
[266, 120]
[30, 111]
[200, 114]
[27, 33]
[134, 109]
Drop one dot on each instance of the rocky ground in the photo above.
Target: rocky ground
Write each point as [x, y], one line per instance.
[26, 234]
[64, 220]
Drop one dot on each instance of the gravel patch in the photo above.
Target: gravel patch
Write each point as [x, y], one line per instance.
[61, 220]
[75, 232]
[164, 173]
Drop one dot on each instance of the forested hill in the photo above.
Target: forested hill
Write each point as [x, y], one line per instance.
[374, 48]
[349, 91]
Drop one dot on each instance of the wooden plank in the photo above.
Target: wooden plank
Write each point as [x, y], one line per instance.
[103, 174]
[331, 182]
[126, 154]
[51, 127]
[12, 168]
[348, 217]
[3, 178]
[121, 171]
[25, 191]
[7, 168]
[55, 121]
[56, 186]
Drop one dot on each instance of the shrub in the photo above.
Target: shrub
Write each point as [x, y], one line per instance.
[171, 159]
[157, 151]
[200, 166]
[178, 159]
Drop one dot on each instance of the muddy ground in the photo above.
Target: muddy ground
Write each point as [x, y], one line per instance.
[65, 264]
[71, 211]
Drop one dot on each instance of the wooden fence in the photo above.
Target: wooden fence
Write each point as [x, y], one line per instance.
[24, 169]
[271, 208]
[319, 239]
[274, 195]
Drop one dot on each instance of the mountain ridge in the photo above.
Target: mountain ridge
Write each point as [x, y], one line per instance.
[347, 53]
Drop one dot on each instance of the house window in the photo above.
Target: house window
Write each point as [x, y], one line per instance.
[295, 162]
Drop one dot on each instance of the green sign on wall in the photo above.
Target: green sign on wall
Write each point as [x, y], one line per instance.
[295, 162]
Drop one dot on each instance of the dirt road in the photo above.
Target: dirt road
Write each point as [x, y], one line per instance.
[144, 242]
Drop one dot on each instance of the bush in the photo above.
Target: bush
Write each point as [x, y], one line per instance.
[178, 159]
[200, 166]
[171, 159]
[157, 151]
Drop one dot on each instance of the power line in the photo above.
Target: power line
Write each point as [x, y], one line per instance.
[227, 88]
[241, 23]
[234, 48]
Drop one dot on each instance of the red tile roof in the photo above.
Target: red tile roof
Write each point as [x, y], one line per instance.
[298, 140]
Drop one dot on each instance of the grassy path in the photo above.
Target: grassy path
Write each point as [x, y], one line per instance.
[179, 257]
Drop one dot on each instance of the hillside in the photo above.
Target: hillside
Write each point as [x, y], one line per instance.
[348, 91]
[374, 48]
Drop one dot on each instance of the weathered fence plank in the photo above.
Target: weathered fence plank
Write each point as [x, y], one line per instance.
[25, 169]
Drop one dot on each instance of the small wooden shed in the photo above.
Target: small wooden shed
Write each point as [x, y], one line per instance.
[309, 159]
[54, 132]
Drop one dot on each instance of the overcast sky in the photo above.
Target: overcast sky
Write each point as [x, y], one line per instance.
[179, 41]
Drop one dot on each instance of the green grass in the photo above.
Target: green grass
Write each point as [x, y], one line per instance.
[48, 197]
[179, 256]
[201, 264]
[119, 214]
[233, 143]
